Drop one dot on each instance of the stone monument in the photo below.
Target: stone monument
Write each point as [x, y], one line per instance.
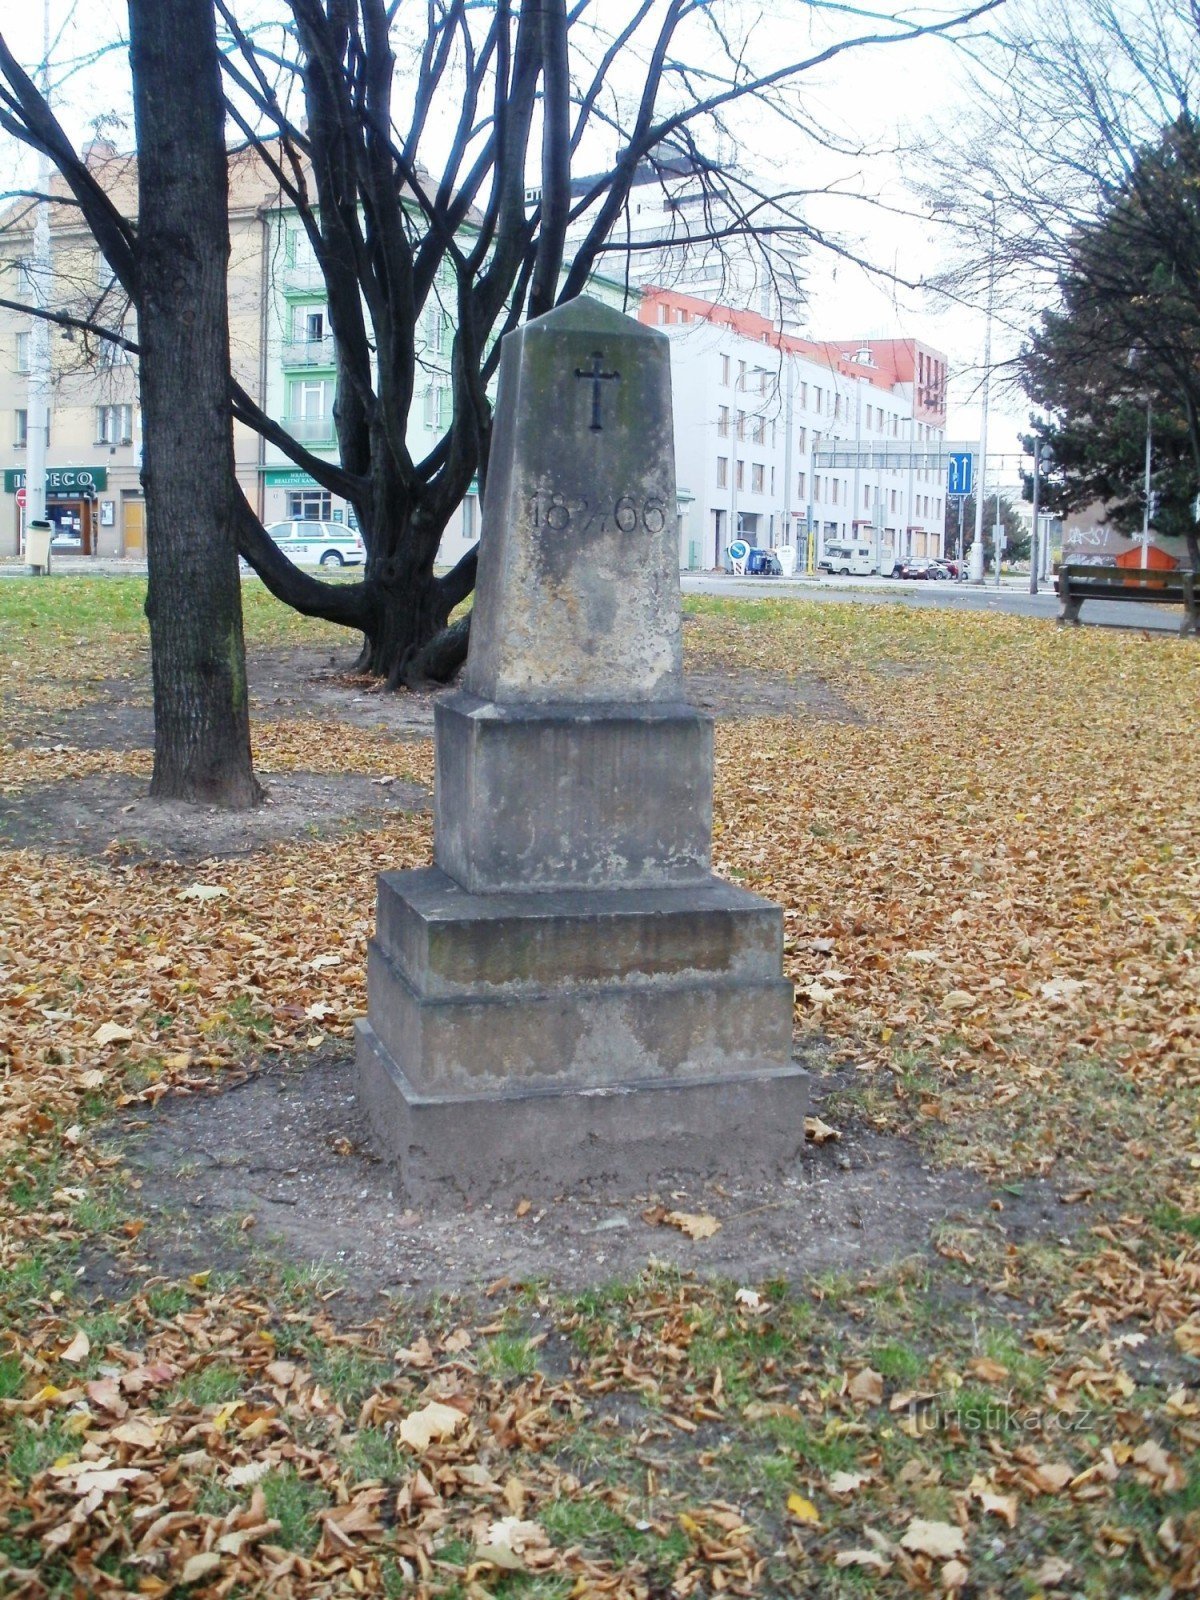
[569, 992]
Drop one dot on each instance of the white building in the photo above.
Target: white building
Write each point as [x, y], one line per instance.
[783, 440]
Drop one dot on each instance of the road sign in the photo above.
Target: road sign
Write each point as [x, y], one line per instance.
[21, 497]
[960, 473]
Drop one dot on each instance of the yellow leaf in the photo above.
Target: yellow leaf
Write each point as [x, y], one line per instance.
[819, 1132]
[200, 1566]
[226, 1415]
[803, 1510]
[199, 1280]
[866, 1387]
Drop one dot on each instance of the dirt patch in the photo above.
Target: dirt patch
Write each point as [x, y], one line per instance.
[288, 1148]
[98, 815]
[764, 694]
[291, 685]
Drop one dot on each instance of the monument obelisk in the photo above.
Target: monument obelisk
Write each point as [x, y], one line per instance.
[569, 992]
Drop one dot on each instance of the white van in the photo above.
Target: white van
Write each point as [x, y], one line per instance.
[318, 544]
[854, 560]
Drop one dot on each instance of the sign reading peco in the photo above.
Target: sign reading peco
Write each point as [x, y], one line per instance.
[82, 481]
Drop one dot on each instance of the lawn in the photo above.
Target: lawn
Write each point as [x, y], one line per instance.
[983, 832]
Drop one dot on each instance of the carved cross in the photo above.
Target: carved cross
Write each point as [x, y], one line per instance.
[598, 377]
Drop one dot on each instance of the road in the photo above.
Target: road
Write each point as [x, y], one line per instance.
[1012, 597]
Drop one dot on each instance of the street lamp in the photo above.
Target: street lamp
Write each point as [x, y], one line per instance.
[977, 557]
[1043, 456]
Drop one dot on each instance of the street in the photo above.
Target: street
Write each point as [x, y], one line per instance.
[1012, 597]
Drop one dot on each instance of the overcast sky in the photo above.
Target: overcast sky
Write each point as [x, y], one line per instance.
[877, 97]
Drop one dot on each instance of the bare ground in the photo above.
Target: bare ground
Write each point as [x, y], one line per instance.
[283, 1162]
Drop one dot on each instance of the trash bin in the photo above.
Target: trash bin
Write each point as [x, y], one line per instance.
[37, 546]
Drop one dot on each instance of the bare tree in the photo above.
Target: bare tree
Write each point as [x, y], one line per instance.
[427, 156]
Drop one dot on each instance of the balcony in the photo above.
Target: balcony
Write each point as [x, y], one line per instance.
[309, 352]
[315, 432]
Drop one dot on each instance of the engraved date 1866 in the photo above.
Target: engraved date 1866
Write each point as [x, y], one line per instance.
[626, 514]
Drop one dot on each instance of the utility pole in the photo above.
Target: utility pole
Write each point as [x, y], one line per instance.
[976, 565]
[38, 413]
[1146, 495]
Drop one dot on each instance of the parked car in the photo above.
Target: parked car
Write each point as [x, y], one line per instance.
[950, 568]
[325, 544]
[918, 567]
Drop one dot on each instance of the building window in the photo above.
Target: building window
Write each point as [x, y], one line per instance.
[801, 486]
[816, 488]
[804, 397]
[802, 440]
[741, 383]
[866, 497]
[308, 324]
[114, 425]
[723, 421]
[439, 406]
[756, 430]
[741, 474]
[725, 371]
[741, 424]
[817, 397]
[20, 429]
[833, 491]
[310, 505]
[22, 352]
[112, 356]
[772, 480]
[722, 472]
[756, 477]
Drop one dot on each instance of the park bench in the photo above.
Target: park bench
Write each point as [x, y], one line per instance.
[1078, 582]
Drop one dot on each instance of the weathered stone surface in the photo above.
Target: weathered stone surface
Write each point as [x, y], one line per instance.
[569, 993]
[545, 797]
[578, 590]
[460, 1147]
[447, 942]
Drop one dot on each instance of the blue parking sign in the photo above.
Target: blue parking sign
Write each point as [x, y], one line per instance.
[960, 473]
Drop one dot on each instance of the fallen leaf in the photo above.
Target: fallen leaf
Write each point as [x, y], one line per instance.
[954, 1576]
[111, 1033]
[846, 1482]
[78, 1349]
[803, 1510]
[202, 891]
[434, 1421]
[940, 1540]
[819, 1132]
[697, 1225]
[136, 1432]
[200, 1566]
[1052, 1571]
[987, 1369]
[866, 1387]
[863, 1558]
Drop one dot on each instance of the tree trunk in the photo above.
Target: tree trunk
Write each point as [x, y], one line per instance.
[197, 652]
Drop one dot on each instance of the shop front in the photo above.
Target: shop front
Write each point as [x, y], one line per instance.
[71, 495]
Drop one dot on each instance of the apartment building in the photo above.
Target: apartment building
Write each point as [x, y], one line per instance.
[94, 495]
[788, 441]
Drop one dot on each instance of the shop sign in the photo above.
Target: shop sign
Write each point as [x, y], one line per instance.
[62, 480]
[289, 479]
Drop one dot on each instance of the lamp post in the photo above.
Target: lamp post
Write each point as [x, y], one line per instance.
[1043, 456]
[977, 556]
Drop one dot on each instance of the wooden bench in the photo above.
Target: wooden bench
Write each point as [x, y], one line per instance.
[1147, 585]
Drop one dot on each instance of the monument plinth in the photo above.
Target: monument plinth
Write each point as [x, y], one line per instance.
[569, 991]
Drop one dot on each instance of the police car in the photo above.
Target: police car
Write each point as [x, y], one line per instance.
[323, 544]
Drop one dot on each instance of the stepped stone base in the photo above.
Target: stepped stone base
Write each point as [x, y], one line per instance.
[582, 1033]
[468, 1147]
